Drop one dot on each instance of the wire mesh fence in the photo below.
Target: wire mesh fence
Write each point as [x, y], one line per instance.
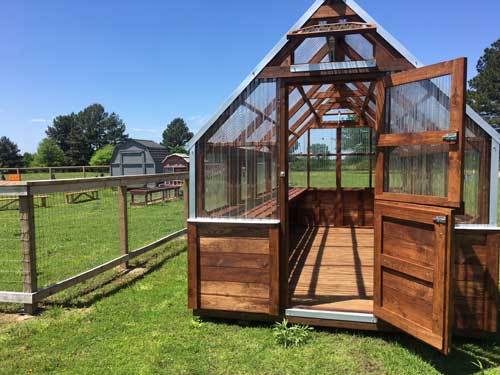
[78, 230]
[10, 253]
[81, 228]
[53, 173]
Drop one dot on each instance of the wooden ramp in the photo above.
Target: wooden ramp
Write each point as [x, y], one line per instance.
[331, 269]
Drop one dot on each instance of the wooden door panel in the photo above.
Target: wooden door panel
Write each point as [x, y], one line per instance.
[420, 135]
[413, 265]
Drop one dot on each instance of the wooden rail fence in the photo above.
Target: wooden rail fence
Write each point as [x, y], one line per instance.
[26, 191]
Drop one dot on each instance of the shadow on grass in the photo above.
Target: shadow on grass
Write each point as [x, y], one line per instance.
[116, 281]
[107, 284]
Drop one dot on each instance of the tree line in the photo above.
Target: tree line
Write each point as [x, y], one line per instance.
[85, 138]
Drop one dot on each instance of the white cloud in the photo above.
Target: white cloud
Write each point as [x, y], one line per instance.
[39, 120]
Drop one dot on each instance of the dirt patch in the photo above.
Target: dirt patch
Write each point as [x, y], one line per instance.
[14, 318]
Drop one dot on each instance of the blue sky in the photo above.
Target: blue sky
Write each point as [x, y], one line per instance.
[150, 61]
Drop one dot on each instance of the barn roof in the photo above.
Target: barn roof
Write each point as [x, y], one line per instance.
[157, 151]
[149, 144]
[184, 156]
[299, 24]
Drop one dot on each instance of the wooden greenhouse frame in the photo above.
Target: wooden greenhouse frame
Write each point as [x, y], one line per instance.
[345, 184]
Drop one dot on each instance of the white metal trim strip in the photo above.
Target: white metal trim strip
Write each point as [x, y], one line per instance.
[332, 315]
[202, 220]
[333, 66]
[480, 227]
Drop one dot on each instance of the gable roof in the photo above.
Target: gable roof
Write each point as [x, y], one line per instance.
[300, 23]
[149, 144]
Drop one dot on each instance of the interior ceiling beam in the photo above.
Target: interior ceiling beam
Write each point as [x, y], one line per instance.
[308, 102]
[336, 95]
[369, 94]
[258, 112]
[307, 113]
[305, 127]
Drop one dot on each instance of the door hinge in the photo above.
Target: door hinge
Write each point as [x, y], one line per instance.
[440, 219]
[450, 137]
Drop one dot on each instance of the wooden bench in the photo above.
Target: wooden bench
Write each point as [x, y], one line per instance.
[148, 194]
[267, 209]
[8, 202]
[81, 196]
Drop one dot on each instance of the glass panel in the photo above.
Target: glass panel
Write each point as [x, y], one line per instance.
[240, 158]
[418, 106]
[308, 49]
[323, 171]
[356, 171]
[359, 44]
[417, 170]
[476, 175]
[297, 166]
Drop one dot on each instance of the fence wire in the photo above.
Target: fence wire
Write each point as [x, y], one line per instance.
[76, 231]
[11, 273]
[151, 222]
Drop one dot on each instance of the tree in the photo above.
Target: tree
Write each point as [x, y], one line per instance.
[27, 159]
[103, 156]
[484, 93]
[81, 135]
[176, 135]
[48, 154]
[319, 148]
[10, 156]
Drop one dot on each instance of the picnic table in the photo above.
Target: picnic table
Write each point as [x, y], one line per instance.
[8, 202]
[81, 196]
[166, 192]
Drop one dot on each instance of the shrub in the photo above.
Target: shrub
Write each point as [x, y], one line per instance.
[291, 335]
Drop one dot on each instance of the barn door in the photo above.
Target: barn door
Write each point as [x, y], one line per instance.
[420, 130]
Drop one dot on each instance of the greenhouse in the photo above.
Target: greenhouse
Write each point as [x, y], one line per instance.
[345, 184]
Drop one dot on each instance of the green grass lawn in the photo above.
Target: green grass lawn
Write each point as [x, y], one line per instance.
[138, 322]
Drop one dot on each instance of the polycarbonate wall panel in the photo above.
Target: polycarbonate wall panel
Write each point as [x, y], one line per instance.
[323, 171]
[417, 170]
[356, 171]
[239, 156]
[308, 49]
[418, 106]
[355, 167]
[297, 171]
[477, 165]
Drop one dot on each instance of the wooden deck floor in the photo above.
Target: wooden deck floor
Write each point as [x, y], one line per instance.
[332, 269]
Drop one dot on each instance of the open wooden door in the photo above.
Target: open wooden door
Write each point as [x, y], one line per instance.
[420, 130]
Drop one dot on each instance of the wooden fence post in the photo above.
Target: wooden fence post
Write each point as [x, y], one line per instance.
[123, 221]
[185, 192]
[27, 219]
[84, 172]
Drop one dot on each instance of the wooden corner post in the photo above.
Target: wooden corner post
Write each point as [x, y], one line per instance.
[28, 247]
[123, 222]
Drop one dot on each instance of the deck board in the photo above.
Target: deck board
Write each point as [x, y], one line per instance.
[332, 269]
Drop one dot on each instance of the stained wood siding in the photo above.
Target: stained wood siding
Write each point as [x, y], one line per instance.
[237, 268]
[332, 207]
[476, 291]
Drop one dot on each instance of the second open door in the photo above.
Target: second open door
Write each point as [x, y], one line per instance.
[420, 140]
